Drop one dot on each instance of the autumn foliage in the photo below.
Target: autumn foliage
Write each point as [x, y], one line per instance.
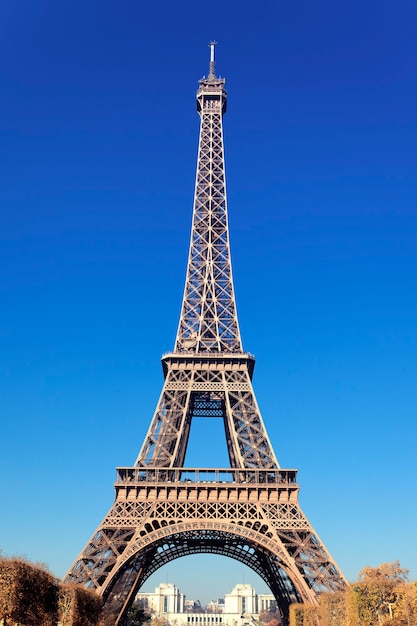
[382, 596]
[28, 594]
[31, 596]
[78, 606]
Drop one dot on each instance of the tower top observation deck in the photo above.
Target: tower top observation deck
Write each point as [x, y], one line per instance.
[211, 88]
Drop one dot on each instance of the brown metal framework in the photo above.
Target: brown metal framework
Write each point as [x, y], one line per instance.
[162, 510]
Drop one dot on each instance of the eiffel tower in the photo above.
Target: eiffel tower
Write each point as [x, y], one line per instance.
[163, 510]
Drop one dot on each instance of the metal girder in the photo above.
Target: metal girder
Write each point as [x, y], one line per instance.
[208, 321]
[153, 521]
[190, 388]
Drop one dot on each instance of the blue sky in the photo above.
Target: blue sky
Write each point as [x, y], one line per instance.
[98, 150]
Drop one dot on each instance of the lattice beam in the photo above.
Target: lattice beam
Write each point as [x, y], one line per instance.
[208, 320]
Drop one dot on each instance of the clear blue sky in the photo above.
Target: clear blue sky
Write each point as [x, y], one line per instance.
[98, 150]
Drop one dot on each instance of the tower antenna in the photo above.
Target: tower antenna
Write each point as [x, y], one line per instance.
[212, 72]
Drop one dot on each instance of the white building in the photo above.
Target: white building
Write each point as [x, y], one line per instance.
[242, 599]
[241, 607]
[266, 602]
[166, 599]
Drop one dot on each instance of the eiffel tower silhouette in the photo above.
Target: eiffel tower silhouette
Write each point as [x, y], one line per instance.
[163, 510]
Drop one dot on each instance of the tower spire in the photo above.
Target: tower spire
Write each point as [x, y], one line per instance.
[212, 71]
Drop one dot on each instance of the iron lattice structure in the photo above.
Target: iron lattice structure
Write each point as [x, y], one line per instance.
[162, 510]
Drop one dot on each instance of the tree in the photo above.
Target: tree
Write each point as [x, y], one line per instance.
[332, 609]
[377, 592]
[266, 617]
[78, 606]
[386, 572]
[404, 611]
[381, 597]
[28, 594]
[137, 616]
[304, 615]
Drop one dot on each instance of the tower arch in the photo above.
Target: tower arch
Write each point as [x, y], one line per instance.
[253, 549]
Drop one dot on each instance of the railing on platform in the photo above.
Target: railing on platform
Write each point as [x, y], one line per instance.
[207, 355]
[232, 476]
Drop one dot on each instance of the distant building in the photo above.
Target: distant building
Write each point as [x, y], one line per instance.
[216, 606]
[165, 599]
[190, 605]
[266, 602]
[242, 599]
[239, 608]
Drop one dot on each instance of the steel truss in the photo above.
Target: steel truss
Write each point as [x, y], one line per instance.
[162, 510]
